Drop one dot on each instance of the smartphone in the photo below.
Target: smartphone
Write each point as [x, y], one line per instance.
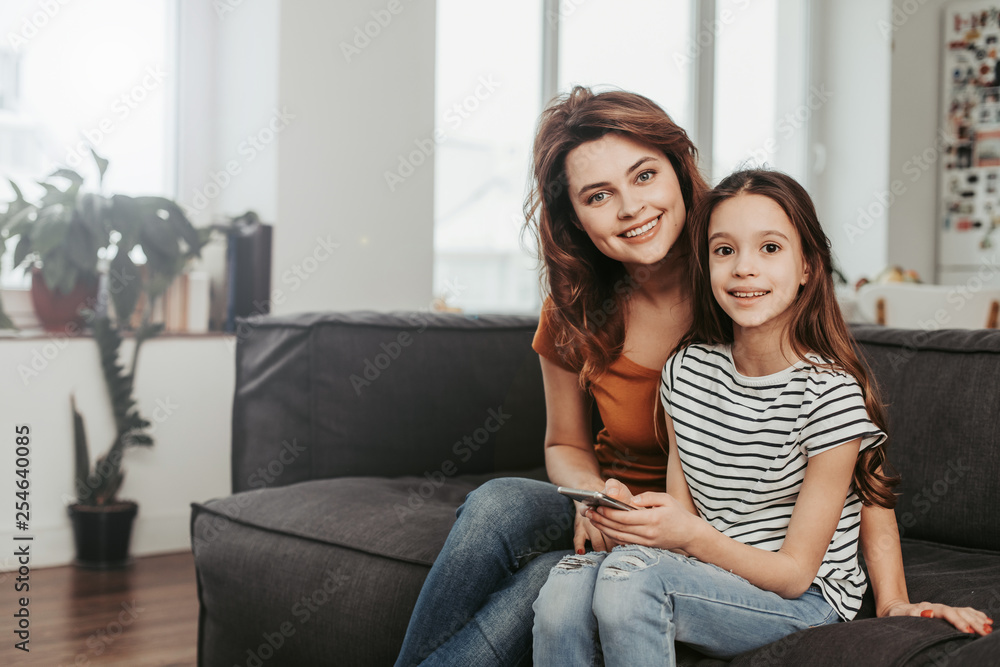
[594, 498]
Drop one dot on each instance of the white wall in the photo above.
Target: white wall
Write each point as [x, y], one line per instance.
[184, 386]
[851, 131]
[916, 110]
[352, 122]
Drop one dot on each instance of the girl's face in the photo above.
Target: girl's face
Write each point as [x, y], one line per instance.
[756, 263]
[626, 197]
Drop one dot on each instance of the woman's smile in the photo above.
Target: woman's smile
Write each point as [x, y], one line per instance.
[642, 232]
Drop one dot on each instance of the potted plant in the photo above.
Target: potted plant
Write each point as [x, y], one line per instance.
[67, 233]
[102, 523]
[59, 237]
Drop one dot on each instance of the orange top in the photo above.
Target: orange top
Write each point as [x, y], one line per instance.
[626, 447]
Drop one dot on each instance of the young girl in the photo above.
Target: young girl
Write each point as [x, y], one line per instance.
[776, 439]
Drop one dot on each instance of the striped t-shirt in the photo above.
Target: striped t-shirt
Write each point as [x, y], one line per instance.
[744, 442]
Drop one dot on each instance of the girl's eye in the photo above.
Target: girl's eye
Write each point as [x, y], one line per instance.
[597, 197]
[646, 176]
[771, 248]
[723, 250]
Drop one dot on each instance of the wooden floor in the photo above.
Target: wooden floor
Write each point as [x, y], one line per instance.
[141, 616]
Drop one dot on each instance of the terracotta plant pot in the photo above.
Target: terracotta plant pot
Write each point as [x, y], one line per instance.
[102, 534]
[56, 311]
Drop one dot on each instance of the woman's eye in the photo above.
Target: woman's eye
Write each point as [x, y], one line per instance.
[771, 248]
[646, 176]
[597, 198]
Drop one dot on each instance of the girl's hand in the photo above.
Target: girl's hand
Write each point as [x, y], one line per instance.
[660, 522]
[584, 531]
[965, 619]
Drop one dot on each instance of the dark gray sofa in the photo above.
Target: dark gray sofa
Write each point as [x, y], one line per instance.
[357, 435]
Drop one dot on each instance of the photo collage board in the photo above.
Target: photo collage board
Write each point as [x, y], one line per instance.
[970, 163]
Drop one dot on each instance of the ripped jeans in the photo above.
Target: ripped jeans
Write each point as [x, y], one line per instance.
[628, 607]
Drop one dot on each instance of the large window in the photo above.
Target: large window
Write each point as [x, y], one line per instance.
[76, 75]
[488, 96]
[641, 45]
[655, 47]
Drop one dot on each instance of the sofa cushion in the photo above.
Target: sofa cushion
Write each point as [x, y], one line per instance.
[337, 563]
[943, 394]
[364, 394]
[940, 573]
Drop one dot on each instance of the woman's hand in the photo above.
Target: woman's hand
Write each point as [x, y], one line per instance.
[965, 619]
[660, 522]
[584, 531]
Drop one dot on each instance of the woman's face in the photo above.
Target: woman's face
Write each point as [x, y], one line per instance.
[626, 197]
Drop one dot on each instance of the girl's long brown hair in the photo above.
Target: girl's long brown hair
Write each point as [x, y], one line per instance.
[817, 324]
[589, 290]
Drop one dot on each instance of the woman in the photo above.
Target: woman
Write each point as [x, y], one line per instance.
[614, 180]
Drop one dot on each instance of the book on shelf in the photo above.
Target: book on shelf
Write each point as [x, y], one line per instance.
[183, 308]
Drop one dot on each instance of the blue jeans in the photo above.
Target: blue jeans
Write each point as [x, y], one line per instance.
[632, 604]
[475, 605]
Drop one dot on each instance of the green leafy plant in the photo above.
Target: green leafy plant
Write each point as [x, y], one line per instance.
[62, 233]
[65, 231]
[71, 235]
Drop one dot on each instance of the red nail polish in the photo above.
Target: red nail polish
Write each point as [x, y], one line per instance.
[987, 629]
[969, 629]
[579, 552]
[927, 613]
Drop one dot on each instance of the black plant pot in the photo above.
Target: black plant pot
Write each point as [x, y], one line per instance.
[102, 534]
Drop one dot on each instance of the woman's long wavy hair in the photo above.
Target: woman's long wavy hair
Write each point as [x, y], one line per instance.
[816, 325]
[589, 290]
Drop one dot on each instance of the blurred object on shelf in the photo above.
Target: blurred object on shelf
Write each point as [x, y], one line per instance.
[248, 269]
[929, 307]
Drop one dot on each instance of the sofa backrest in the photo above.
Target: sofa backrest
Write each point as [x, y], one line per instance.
[352, 394]
[943, 395]
[363, 393]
